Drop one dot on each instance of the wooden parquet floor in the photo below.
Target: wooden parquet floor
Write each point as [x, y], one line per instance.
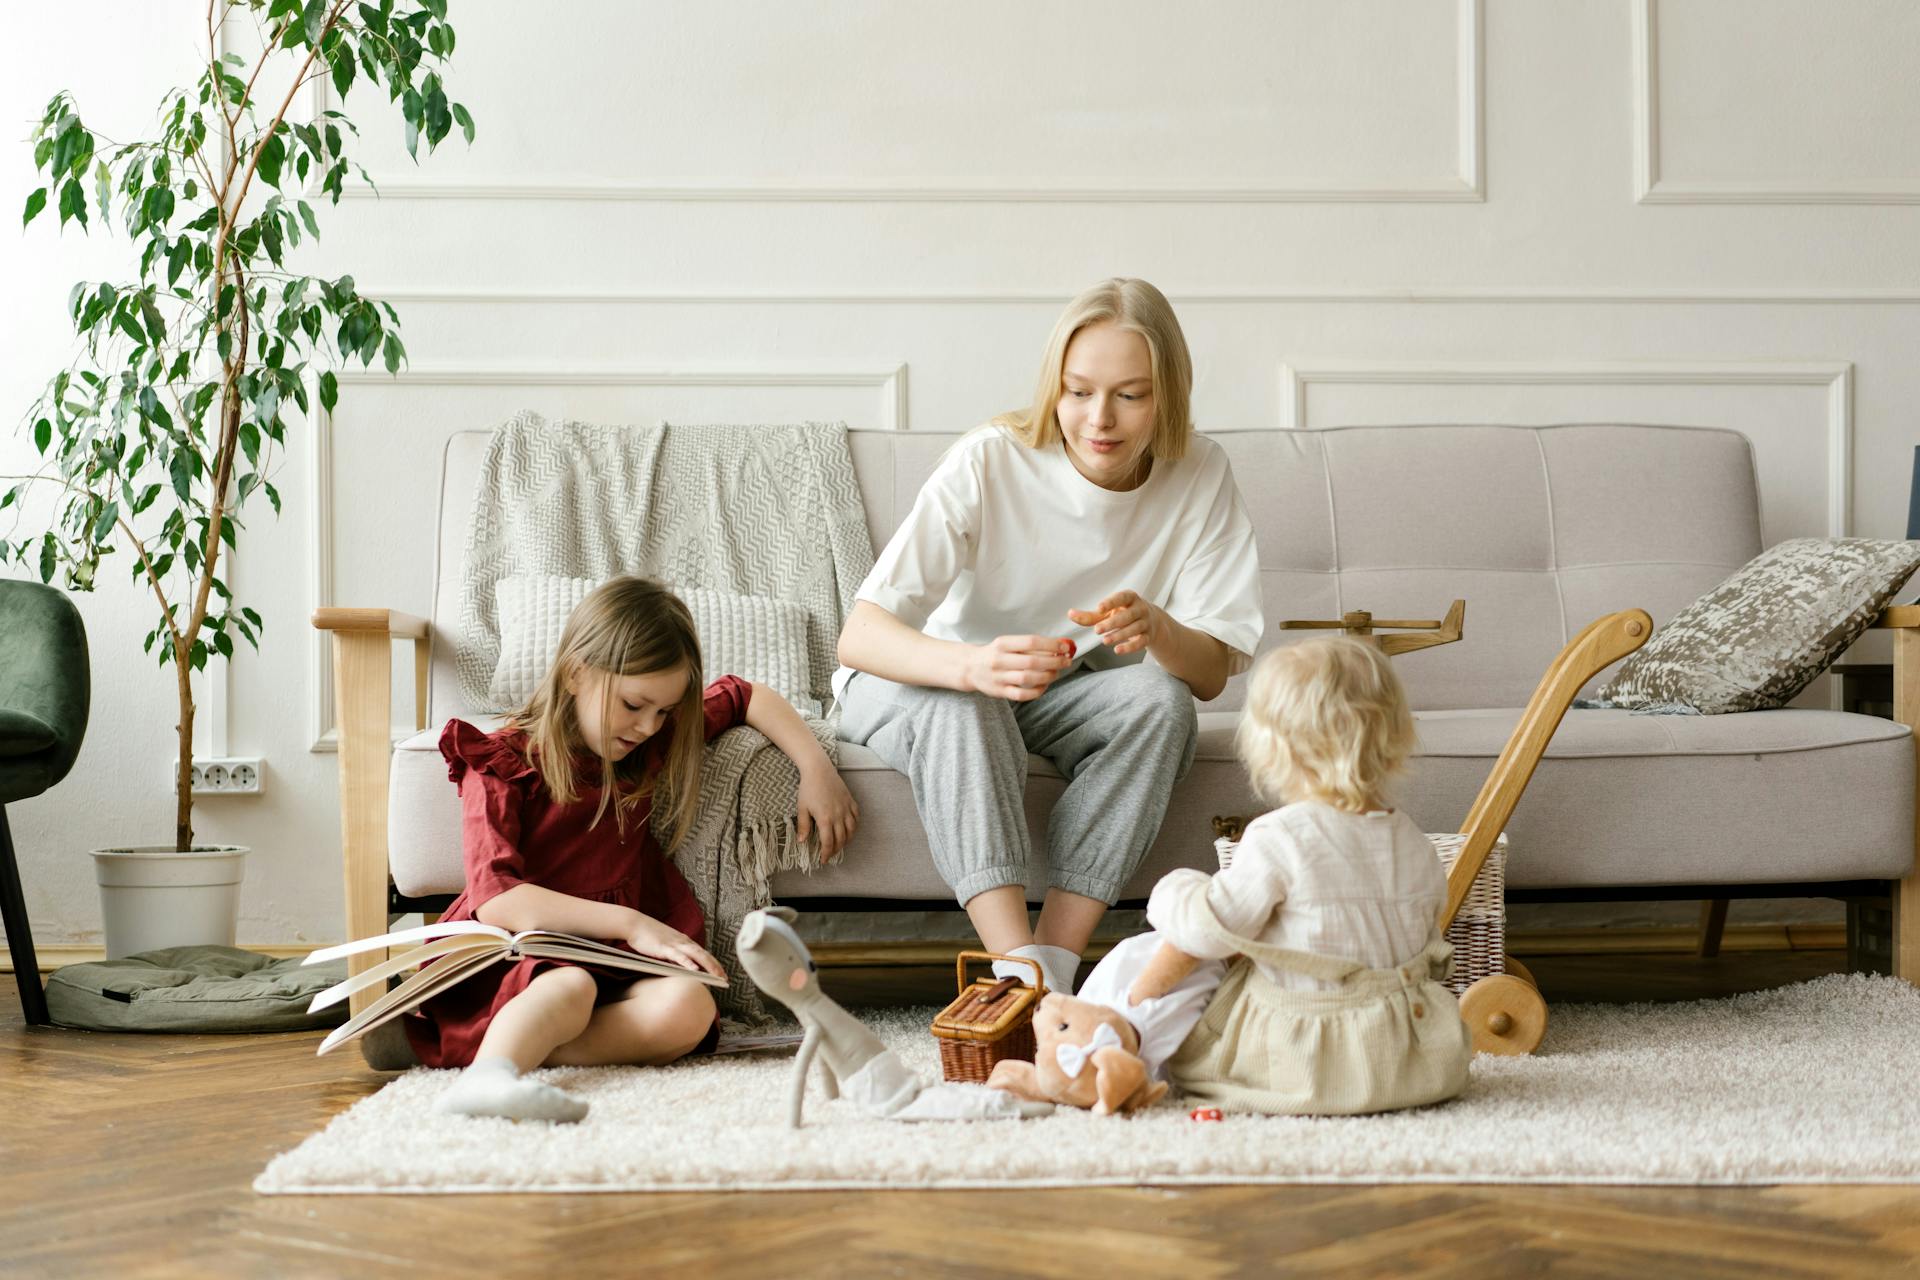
[131, 1156]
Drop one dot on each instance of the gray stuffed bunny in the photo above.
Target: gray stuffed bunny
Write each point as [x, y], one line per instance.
[781, 966]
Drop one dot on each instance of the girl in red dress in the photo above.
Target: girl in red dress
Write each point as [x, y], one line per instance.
[556, 835]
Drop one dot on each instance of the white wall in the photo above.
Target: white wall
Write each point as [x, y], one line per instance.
[1698, 211]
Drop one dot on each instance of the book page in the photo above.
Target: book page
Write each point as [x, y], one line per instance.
[401, 937]
[581, 951]
[415, 991]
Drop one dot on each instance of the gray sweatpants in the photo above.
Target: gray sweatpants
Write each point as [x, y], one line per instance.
[1121, 738]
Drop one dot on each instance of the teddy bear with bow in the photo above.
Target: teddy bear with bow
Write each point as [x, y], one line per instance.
[1084, 1056]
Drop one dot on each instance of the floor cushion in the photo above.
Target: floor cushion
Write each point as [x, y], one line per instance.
[199, 988]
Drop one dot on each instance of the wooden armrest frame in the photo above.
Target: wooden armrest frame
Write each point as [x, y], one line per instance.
[363, 693]
[1904, 622]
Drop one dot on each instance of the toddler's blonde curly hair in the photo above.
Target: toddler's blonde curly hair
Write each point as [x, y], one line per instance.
[1326, 720]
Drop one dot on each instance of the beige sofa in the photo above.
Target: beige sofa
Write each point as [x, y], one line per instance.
[1540, 529]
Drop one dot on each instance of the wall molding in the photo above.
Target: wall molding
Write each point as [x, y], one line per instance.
[1468, 185]
[411, 294]
[1651, 188]
[889, 383]
[1835, 377]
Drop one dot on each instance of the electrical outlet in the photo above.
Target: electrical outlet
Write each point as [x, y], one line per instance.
[227, 776]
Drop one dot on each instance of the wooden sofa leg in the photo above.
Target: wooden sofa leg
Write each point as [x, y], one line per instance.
[1713, 924]
[363, 682]
[1906, 891]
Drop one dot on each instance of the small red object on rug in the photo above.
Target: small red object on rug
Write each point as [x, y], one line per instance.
[1204, 1113]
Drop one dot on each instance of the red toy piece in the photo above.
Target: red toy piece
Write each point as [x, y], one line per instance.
[1204, 1113]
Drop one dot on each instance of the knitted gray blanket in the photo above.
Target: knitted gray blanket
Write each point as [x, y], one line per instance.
[752, 510]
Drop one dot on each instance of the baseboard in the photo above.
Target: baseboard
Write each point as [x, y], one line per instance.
[1672, 940]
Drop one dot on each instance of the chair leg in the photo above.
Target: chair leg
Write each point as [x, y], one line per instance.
[1713, 923]
[13, 913]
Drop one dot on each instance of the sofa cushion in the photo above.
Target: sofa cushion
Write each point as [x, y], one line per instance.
[1620, 799]
[1760, 637]
[757, 638]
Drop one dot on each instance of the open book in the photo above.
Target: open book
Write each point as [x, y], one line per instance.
[462, 948]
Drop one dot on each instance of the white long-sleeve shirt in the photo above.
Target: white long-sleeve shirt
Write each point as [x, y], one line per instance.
[1004, 539]
[1365, 887]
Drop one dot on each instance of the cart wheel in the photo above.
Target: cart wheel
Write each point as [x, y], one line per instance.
[1504, 1014]
[1520, 971]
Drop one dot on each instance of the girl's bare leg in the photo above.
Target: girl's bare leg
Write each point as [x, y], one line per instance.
[657, 1021]
[555, 1008]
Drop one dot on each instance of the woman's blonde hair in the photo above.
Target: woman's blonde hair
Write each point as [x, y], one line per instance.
[626, 626]
[1325, 720]
[1137, 307]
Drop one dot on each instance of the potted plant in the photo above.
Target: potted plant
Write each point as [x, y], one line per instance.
[169, 423]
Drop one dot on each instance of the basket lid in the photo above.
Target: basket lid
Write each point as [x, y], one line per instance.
[987, 1009]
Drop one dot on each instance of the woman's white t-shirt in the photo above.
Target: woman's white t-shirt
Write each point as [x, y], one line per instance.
[1004, 539]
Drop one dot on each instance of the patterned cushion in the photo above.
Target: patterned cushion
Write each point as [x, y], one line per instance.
[753, 637]
[1758, 638]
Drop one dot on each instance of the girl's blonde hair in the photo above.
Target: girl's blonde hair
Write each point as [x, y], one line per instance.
[1325, 720]
[1137, 307]
[626, 626]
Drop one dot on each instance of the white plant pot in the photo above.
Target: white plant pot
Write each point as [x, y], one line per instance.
[153, 897]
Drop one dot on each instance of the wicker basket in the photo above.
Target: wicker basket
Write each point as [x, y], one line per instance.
[990, 1020]
[1479, 932]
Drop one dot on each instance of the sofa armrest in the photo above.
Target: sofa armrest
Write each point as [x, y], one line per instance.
[363, 693]
[1904, 622]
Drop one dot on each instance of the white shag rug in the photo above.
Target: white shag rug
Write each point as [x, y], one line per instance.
[1809, 1083]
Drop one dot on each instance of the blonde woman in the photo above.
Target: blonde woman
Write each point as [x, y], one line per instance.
[1071, 578]
[1332, 1003]
[555, 835]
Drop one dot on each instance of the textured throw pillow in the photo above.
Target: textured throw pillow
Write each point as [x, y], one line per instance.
[754, 637]
[1758, 638]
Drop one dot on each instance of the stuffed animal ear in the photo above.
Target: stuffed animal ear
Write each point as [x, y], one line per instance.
[782, 913]
[751, 926]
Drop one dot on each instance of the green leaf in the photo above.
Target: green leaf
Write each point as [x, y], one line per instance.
[224, 645]
[48, 557]
[273, 154]
[103, 527]
[250, 444]
[178, 259]
[158, 205]
[306, 216]
[42, 435]
[273, 496]
[391, 349]
[36, 201]
[156, 325]
[145, 500]
[465, 121]
[181, 467]
[73, 202]
[343, 71]
[329, 392]
[123, 320]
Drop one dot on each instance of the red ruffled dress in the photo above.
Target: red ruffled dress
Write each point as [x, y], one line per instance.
[513, 833]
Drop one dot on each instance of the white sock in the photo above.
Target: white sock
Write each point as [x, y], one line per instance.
[495, 1087]
[1057, 965]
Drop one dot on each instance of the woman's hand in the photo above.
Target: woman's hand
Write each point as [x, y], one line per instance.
[1017, 668]
[660, 941]
[1125, 622]
[827, 806]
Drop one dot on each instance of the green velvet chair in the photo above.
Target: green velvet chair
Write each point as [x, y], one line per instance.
[44, 688]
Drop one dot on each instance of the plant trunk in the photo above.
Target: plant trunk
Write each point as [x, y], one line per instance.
[183, 779]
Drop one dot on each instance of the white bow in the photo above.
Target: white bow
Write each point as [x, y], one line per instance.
[1073, 1057]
